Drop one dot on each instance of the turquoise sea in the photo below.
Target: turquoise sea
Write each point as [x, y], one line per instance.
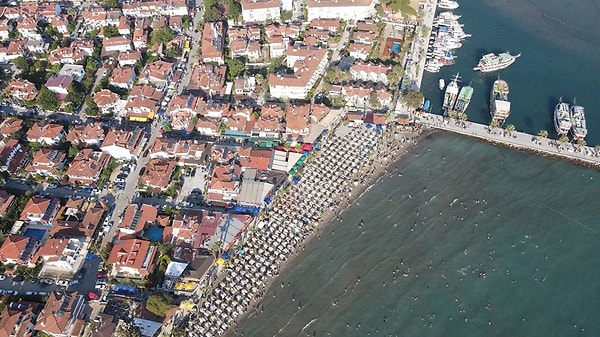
[466, 238]
[558, 40]
[462, 239]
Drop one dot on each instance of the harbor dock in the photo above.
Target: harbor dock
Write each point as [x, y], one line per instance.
[585, 155]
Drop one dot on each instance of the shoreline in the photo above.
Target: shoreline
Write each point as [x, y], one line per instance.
[381, 169]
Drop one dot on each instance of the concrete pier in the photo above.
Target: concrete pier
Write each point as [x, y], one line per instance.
[518, 140]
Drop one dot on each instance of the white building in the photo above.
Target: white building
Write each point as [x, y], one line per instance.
[261, 10]
[308, 64]
[340, 9]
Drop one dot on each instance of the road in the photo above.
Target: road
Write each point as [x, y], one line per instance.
[196, 36]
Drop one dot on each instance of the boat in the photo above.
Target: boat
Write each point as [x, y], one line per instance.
[442, 84]
[578, 125]
[463, 100]
[562, 118]
[451, 94]
[492, 62]
[448, 4]
[426, 105]
[499, 104]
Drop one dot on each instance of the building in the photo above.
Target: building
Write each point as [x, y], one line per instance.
[62, 315]
[208, 80]
[61, 256]
[5, 201]
[18, 250]
[308, 65]
[261, 10]
[76, 71]
[123, 77]
[40, 211]
[22, 90]
[46, 162]
[183, 109]
[157, 73]
[370, 72]
[124, 144]
[340, 9]
[107, 102]
[297, 121]
[132, 258]
[12, 155]
[59, 85]
[91, 134]
[116, 44]
[136, 219]
[212, 50]
[18, 319]
[224, 183]
[158, 173]
[49, 134]
[86, 167]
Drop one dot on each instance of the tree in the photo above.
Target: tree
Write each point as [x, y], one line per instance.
[452, 114]
[374, 100]
[463, 117]
[110, 31]
[111, 3]
[494, 124]
[395, 75]
[21, 63]
[412, 98]
[563, 139]
[234, 68]
[286, 15]
[73, 151]
[234, 9]
[161, 35]
[46, 100]
[543, 134]
[276, 65]
[597, 150]
[510, 128]
[128, 329]
[74, 97]
[581, 142]
[90, 65]
[159, 304]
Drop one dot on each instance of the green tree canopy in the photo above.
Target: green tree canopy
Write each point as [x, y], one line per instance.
[90, 65]
[21, 63]
[159, 304]
[412, 98]
[161, 35]
[234, 68]
[110, 31]
[46, 100]
[111, 3]
[234, 9]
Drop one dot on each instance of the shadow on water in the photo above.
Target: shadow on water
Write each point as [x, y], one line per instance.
[552, 101]
[479, 52]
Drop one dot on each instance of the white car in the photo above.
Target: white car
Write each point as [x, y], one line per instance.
[64, 283]
[2, 277]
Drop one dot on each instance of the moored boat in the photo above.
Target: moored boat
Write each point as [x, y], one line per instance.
[499, 104]
[442, 84]
[463, 100]
[578, 124]
[492, 62]
[451, 94]
[448, 4]
[562, 118]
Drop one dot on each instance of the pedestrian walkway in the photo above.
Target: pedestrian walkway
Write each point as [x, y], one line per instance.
[520, 140]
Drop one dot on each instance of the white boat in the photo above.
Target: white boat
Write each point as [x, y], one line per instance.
[448, 4]
[442, 84]
[492, 62]
[578, 125]
[499, 104]
[562, 118]
[451, 94]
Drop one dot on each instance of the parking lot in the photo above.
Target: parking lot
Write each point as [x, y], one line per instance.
[194, 181]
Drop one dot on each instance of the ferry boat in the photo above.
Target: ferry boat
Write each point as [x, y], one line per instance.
[499, 104]
[492, 62]
[578, 125]
[562, 118]
[463, 100]
[448, 4]
[451, 94]
[442, 84]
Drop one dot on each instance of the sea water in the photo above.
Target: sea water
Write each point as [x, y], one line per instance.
[462, 239]
[558, 41]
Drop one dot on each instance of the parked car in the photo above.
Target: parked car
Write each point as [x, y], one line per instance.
[63, 283]
[92, 296]
[102, 274]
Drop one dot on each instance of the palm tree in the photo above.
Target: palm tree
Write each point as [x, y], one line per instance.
[510, 128]
[452, 114]
[563, 139]
[581, 143]
[543, 134]
[494, 125]
[597, 149]
[463, 117]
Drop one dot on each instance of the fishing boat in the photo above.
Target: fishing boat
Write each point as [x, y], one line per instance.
[442, 84]
[499, 104]
[562, 118]
[448, 4]
[463, 100]
[426, 105]
[578, 125]
[451, 94]
[492, 62]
